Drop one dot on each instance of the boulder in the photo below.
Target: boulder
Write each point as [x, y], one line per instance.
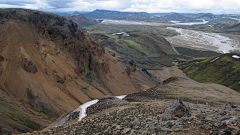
[1, 58]
[29, 66]
[177, 109]
[60, 80]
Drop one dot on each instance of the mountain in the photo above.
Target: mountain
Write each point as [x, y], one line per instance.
[233, 29]
[98, 14]
[177, 17]
[148, 50]
[207, 16]
[48, 67]
[222, 69]
[81, 20]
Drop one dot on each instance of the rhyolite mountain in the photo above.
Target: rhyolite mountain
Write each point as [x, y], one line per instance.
[48, 67]
[222, 69]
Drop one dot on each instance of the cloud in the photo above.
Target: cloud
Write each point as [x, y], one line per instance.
[212, 6]
[59, 3]
[17, 2]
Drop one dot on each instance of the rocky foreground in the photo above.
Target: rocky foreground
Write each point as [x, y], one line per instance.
[155, 118]
[180, 106]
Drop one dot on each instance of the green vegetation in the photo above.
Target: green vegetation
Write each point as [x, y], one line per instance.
[30, 93]
[222, 69]
[159, 30]
[147, 49]
[14, 115]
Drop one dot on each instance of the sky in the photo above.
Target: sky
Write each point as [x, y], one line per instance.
[150, 6]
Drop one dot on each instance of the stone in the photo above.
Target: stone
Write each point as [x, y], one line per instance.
[60, 80]
[1, 58]
[29, 66]
[126, 130]
[177, 109]
[135, 122]
[229, 106]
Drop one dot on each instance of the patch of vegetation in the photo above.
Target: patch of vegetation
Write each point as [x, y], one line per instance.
[12, 114]
[148, 50]
[30, 93]
[223, 69]
[114, 28]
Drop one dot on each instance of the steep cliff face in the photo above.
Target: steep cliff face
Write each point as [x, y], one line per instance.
[49, 67]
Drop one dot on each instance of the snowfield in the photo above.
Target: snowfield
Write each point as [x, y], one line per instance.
[199, 39]
[82, 111]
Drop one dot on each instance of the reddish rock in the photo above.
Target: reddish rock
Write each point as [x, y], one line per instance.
[29, 66]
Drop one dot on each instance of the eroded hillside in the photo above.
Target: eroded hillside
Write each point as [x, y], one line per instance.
[49, 67]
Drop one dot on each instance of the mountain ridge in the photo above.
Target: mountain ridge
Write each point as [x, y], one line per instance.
[49, 67]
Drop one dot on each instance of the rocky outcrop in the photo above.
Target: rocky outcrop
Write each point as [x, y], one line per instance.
[28, 65]
[170, 79]
[1, 58]
[177, 109]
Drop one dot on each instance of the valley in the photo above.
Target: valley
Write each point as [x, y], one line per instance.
[65, 75]
[204, 40]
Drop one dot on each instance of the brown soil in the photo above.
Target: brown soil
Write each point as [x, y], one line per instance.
[186, 88]
[51, 69]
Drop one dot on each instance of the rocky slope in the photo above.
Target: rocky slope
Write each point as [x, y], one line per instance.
[180, 106]
[49, 67]
[81, 21]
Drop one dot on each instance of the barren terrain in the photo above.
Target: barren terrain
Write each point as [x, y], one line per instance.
[143, 113]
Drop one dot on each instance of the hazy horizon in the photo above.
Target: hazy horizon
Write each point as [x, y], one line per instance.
[150, 6]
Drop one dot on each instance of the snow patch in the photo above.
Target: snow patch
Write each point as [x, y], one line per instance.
[121, 97]
[214, 59]
[82, 112]
[236, 57]
[82, 109]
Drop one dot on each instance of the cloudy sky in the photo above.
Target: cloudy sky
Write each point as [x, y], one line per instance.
[151, 6]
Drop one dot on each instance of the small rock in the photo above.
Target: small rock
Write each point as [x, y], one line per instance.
[126, 130]
[135, 122]
[118, 127]
[1, 58]
[176, 130]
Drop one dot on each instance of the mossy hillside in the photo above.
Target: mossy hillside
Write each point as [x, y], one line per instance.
[157, 43]
[159, 30]
[14, 115]
[148, 50]
[223, 69]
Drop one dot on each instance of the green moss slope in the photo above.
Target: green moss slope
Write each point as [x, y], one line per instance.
[223, 69]
[147, 49]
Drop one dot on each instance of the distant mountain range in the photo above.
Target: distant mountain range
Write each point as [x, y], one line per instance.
[98, 14]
